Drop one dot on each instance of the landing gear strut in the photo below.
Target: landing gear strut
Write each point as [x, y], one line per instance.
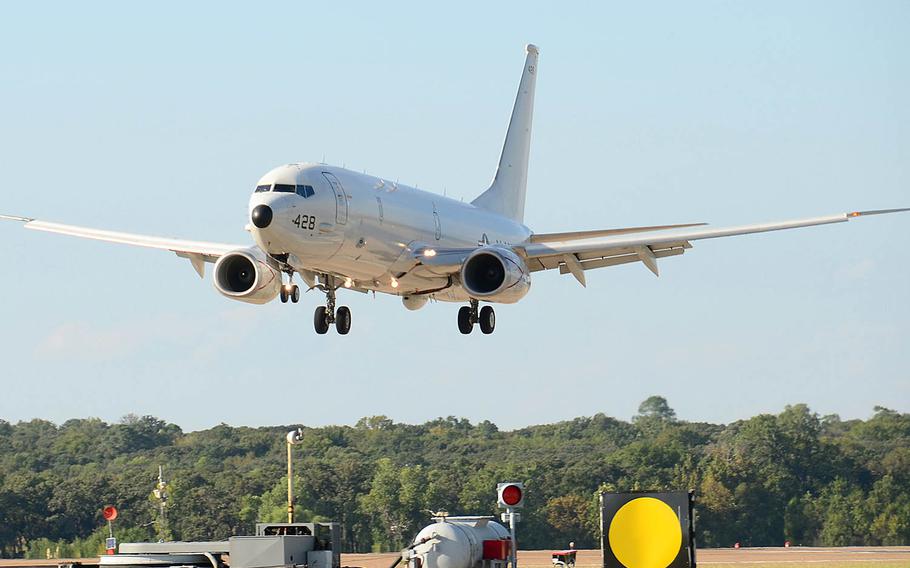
[469, 315]
[327, 315]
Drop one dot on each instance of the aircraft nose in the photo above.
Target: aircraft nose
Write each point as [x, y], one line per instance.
[261, 216]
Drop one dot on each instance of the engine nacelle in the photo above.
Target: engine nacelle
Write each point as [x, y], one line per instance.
[496, 274]
[246, 275]
[414, 302]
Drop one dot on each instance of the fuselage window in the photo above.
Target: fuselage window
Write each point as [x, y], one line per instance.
[305, 191]
[262, 188]
[284, 188]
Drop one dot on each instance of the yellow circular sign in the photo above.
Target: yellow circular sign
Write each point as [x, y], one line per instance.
[645, 533]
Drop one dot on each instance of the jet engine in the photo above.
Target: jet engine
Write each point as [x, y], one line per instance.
[496, 274]
[246, 275]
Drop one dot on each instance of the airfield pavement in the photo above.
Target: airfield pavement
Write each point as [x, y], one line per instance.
[846, 557]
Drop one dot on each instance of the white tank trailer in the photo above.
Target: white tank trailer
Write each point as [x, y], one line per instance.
[460, 542]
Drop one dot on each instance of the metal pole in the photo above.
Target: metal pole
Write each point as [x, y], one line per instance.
[290, 487]
[511, 512]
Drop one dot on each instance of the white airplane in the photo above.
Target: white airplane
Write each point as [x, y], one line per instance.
[341, 229]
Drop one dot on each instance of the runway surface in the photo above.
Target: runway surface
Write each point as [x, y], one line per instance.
[891, 555]
[886, 556]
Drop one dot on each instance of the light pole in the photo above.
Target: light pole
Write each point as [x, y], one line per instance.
[294, 437]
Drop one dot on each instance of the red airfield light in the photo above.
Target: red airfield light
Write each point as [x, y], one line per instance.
[511, 495]
[109, 512]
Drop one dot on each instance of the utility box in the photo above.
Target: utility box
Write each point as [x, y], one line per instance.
[270, 551]
[319, 559]
[496, 549]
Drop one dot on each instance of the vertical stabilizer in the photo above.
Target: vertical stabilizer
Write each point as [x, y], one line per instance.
[506, 194]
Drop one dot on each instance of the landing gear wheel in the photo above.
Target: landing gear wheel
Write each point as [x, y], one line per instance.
[487, 319]
[343, 320]
[283, 294]
[320, 321]
[295, 294]
[465, 325]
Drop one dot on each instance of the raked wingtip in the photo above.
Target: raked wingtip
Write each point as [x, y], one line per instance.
[876, 212]
[16, 218]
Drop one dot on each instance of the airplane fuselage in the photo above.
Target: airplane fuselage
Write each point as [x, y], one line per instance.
[330, 220]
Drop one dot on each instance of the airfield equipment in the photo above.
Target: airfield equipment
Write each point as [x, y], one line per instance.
[469, 542]
[315, 545]
[564, 558]
[460, 542]
[294, 437]
[110, 515]
[275, 545]
[647, 529]
[511, 496]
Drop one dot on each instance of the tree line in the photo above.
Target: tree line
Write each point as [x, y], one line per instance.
[795, 476]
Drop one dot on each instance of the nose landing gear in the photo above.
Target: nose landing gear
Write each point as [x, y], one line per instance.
[469, 315]
[289, 292]
[327, 315]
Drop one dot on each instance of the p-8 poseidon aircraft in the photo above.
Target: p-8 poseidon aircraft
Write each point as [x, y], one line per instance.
[340, 229]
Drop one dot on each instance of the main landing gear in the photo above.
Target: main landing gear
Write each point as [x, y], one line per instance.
[469, 315]
[327, 315]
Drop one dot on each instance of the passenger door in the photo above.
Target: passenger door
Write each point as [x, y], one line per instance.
[341, 199]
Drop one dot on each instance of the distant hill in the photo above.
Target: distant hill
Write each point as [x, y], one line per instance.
[795, 476]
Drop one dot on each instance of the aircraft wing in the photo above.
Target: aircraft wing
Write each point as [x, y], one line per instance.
[198, 252]
[576, 256]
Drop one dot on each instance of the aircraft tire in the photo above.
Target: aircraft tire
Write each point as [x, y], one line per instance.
[465, 326]
[319, 321]
[343, 320]
[283, 295]
[487, 319]
[295, 294]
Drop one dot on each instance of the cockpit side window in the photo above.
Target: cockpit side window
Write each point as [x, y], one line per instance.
[263, 188]
[305, 191]
[284, 188]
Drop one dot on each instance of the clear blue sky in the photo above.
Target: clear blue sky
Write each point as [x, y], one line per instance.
[159, 118]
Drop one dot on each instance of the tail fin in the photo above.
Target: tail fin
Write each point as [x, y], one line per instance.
[506, 194]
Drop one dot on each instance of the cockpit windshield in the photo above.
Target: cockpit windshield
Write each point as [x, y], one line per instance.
[301, 190]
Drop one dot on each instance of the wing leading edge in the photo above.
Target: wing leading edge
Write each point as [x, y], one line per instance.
[198, 252]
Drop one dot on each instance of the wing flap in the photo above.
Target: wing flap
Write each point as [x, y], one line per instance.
[611, 257]
[621, 259]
